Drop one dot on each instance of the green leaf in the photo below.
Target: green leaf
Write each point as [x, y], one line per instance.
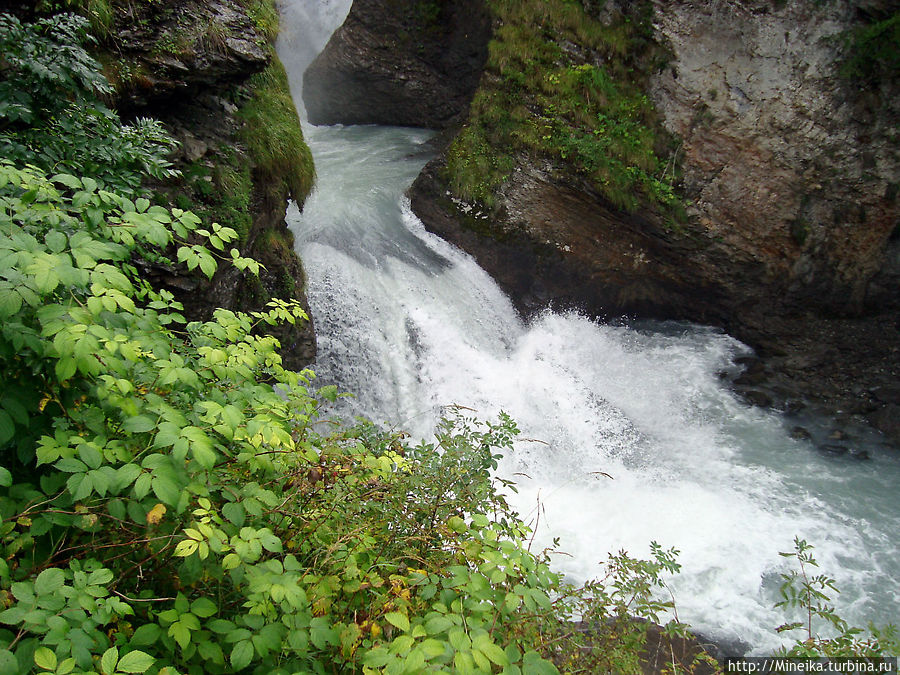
[204, 607]
[146, 635]
[7, 428]
[181, 632]
[49, 581]
[139, 424]
[45, 658]
[492, 651]
[235, 513]
[10, 302]
[8, 662]
[5, 477]
[241, 655]
[438, 624]
[109, 660]
[534, 664]
[56, 241]
[68, 180]
[376, 658]
[90, 455]
[135, 662]
[397, 619]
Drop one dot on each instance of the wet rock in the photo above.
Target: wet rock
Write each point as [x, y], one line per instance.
[784, 146]
[887, 420]
[757, 398]
[800, 434]
[833, 449]
[162, 50]
[402, 62]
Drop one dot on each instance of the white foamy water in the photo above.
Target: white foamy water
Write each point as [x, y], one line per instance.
[410, 324]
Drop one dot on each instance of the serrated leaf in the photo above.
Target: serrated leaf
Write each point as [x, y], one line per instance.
[7, 428]
[241, 655]
[10, 302]
[146, 635]
[45, 658]
[49, 581]
[56, 241]
[235, 513]
[376, 658]
[397, 619]
[204, 608]
[135, 662]
[109, 660]
[68, 180]
[139, 424]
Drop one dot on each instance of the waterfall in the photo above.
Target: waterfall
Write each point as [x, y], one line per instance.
[635, 436]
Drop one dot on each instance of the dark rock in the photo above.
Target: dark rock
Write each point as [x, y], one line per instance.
[399, 62]
[833, 449]
[887, 420]
[800, 434]
[757, 398]
[161, 50]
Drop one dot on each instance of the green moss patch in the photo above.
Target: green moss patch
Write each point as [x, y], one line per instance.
[273, 136]
[563, 86]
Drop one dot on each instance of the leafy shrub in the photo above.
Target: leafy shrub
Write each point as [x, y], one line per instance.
[810, 593]
[168, 504]
[51, 114]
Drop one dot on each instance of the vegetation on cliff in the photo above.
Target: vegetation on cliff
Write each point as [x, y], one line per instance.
[174, 500]
[563, 87]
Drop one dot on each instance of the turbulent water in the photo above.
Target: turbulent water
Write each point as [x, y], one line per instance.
[635, 436]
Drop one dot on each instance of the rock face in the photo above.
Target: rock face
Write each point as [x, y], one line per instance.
[787, 164]
[791, 175]
[400, 62]
[187, 63]
[184, 48]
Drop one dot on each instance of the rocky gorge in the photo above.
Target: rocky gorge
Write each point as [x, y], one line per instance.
[780, 147]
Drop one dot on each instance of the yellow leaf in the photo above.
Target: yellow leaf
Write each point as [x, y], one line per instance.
[156, 514]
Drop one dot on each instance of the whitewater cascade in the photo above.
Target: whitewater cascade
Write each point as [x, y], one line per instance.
[636, 436]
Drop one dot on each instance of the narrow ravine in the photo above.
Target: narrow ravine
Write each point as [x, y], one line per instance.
[635, 437]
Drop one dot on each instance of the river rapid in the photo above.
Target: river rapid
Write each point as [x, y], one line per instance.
[635, 435]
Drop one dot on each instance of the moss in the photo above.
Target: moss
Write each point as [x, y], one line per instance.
[872, 51]
[546, 102]
[273, 135]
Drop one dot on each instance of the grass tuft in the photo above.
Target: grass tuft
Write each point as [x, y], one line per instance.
[273, 135]
[562, 86]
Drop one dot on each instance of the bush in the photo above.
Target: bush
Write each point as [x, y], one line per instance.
[51, 114]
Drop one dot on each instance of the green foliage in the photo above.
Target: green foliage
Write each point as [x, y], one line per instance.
[810, 593]
[264, 15]
[99, 13]
[218, 189]
[873, 51]
[551, 103]
[51, 114]
[273, 135]
[168, 505]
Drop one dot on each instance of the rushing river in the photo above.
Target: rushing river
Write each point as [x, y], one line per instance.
[410, 324]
